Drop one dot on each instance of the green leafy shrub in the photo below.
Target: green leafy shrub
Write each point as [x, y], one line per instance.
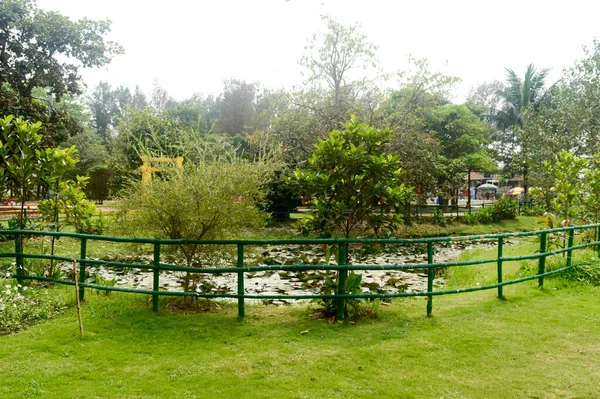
[349, 174]
[504, 208]
[486, 215]
[469, 218]
[353, 307]
[438, 217]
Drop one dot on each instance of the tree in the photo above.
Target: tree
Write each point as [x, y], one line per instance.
[46, 49]
[567, 184]
[236, 107]
[107, 105]
[518, 96]
[463, 138]
[340, 82]
[22, 162]
[406, 110]
[160, 100]
[138, 100]
[333, 56]
[349, 174]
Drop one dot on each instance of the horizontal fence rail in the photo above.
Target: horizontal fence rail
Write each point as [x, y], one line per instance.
[342, 268]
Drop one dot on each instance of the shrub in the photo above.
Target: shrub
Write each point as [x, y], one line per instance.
[469, 218]
[486, 215]
[347, 176]
[504, 208]
[204, 201]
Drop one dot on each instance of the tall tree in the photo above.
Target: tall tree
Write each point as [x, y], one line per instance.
[340, 66]
[517, 96]
[161, 99]
[46, 49]
[332, 58]
[138, 100]
[463, 137]
[406, 110]
[107, 105]
[236, 107]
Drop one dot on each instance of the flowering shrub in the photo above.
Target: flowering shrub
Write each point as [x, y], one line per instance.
[22, 306]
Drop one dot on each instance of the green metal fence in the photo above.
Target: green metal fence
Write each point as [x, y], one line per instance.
[342, 268]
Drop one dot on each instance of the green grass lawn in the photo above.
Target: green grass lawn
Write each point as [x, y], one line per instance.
[535, 344]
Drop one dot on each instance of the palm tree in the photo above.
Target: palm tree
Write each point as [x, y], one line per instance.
[517, 96]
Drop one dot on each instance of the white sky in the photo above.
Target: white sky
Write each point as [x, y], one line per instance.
[191, 46]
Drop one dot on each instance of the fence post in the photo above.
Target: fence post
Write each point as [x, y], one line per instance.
[542, 261]
[156, 277]
[500, 247]
[569, 245]
[342, 275]
[598, 239]
[457, 210]
[430, 275]
[240, 281]
[19, 258]
[82, 254]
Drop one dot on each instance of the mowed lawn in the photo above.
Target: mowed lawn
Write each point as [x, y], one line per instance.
[534, 344]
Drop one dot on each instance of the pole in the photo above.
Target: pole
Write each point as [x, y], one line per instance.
[156, 277]
[430, 276]
[240, 281]
[342, 275]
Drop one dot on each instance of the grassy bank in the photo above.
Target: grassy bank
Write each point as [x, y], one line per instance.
[534, 344]
[540, 344]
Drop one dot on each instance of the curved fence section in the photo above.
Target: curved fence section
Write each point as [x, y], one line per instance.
[341, 268]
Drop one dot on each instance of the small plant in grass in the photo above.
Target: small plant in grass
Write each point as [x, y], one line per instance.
[439, 218]
[23, 306]
[353, 307]
[105, 282]
[586, 268]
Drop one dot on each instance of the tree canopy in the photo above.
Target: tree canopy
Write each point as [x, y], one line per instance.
[44, 49]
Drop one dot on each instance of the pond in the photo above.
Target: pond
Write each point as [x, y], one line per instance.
[301, 282]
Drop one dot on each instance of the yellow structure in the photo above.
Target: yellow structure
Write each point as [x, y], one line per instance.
[151, 165]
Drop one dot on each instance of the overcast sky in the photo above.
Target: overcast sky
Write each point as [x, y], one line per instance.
[192, 46]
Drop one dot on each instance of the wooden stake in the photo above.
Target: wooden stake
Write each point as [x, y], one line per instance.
[77, 297]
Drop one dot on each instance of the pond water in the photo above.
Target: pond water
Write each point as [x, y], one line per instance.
[296, 283]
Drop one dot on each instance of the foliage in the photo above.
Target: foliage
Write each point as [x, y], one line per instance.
[93, 153]
[46, 49]
[406, 110]
[211, 199]
[21, 158]
[280, 199]
[353, 307]
[339, 64]
[567, 184]
[349, 174]
[236, 107]
[107, 105]
[505, 208]
[486, 215]
[514, 140]
[22, 306]
[438, 217]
